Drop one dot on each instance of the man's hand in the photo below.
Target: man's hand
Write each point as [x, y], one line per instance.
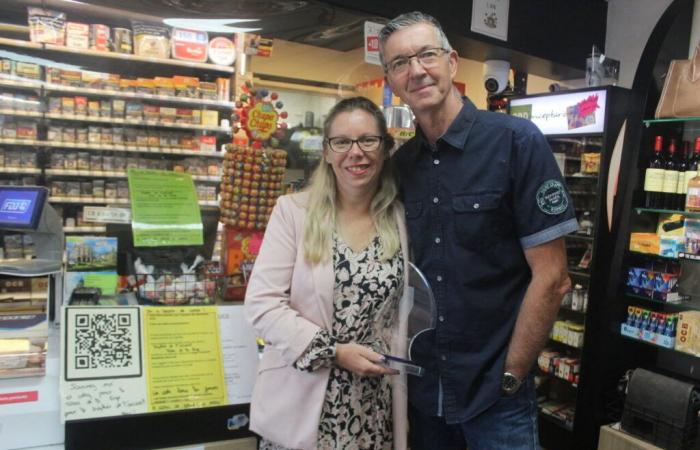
[361, 360]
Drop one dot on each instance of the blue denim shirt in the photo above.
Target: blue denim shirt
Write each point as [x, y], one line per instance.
[488, 190]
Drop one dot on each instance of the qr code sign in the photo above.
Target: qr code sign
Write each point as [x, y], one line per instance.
[102, 343]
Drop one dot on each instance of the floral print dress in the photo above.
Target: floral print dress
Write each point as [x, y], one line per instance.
[356, 412]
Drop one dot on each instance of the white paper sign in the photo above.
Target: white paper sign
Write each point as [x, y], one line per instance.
[112, 384]
[103, 214]
[239, 352]
[490, 17]
[372, 42]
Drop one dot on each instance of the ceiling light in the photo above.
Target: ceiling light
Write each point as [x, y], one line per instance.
[213, 25]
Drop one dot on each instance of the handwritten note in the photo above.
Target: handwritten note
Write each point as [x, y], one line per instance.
[240, 353]
[103, 398]
[183, 358]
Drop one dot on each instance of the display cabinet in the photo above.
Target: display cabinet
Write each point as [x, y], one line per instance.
[583, 128]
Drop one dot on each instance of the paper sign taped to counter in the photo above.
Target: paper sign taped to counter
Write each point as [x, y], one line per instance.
[136, 359]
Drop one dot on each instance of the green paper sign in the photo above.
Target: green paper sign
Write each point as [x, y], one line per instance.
[164, 209]
[105, 281]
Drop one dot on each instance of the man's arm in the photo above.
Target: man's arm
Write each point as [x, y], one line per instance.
[550, 281]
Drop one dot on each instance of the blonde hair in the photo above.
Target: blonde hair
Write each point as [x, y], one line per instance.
[321, 210]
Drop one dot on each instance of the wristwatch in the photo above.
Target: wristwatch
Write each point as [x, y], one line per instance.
[510, 383]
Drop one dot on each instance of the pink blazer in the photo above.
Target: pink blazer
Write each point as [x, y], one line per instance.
[287, 302]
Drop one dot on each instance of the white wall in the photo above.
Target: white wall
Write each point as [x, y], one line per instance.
[630, 23]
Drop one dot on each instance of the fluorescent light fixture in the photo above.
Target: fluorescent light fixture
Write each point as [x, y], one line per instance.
[213, 25]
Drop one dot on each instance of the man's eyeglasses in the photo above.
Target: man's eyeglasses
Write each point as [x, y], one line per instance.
[427, 58]
[366, 143]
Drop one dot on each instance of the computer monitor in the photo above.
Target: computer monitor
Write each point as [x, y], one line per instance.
[21, 206]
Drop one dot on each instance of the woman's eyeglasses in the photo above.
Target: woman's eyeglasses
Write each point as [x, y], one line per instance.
[366, 143]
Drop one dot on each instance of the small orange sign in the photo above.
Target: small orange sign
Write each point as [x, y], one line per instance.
[262, 121]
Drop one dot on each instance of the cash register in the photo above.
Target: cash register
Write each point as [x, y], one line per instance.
[25, 209]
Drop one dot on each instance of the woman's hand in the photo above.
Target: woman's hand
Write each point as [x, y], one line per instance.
[361, 360]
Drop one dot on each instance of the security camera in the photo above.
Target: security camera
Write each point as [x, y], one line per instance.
[496, 75]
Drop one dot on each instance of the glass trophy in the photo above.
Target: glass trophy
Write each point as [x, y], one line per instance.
[420, 322]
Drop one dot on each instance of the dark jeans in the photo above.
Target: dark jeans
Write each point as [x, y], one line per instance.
[510, 424]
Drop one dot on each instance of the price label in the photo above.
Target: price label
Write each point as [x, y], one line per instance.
[106, 215]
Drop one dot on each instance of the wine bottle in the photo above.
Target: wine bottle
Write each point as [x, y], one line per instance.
[654, 176]
[670, 177]
[682, 186]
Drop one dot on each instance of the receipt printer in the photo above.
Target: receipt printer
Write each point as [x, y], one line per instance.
[661, 410]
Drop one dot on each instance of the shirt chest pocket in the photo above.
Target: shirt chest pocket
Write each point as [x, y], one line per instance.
[478, 219]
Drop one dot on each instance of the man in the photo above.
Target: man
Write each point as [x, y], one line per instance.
[486, 210]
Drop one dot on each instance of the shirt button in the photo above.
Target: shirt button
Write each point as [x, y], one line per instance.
[437, 240]
[476, 206]
[435, 199]
[439, 278]
[436, 161]
[443, 357]
[441, 318]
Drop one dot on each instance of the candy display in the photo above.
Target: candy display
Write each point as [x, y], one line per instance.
[251, 184]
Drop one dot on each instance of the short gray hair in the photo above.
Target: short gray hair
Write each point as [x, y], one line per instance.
[406, 20]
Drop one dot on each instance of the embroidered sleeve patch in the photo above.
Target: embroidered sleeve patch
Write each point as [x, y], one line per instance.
[551, 198]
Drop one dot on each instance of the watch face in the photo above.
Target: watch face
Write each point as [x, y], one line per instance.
[510, 383]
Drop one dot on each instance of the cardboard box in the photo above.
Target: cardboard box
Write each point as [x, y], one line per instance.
[688, 332]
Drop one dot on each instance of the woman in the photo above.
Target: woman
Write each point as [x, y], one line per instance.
[325, 295]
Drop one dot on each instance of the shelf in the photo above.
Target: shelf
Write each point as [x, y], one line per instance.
[112, 174]
[20, 43]
[111, 148]
[648, 122]
[142, 59]
[20, 170]
[588, 142]
[583, 175]
[579, 273]
[84, 229]
[581, 193]
[89, 200]
[9, 81]
[115, 201]
[581, 237]
[652, 255]
[552, 375]
[676, 306]
[115, 55]
[649, 344]
[136, 122]
[556, 420]
[568, 309]
[15, 113]
[85, 173]
[565, 344]
[695, 215]
[50, 87]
